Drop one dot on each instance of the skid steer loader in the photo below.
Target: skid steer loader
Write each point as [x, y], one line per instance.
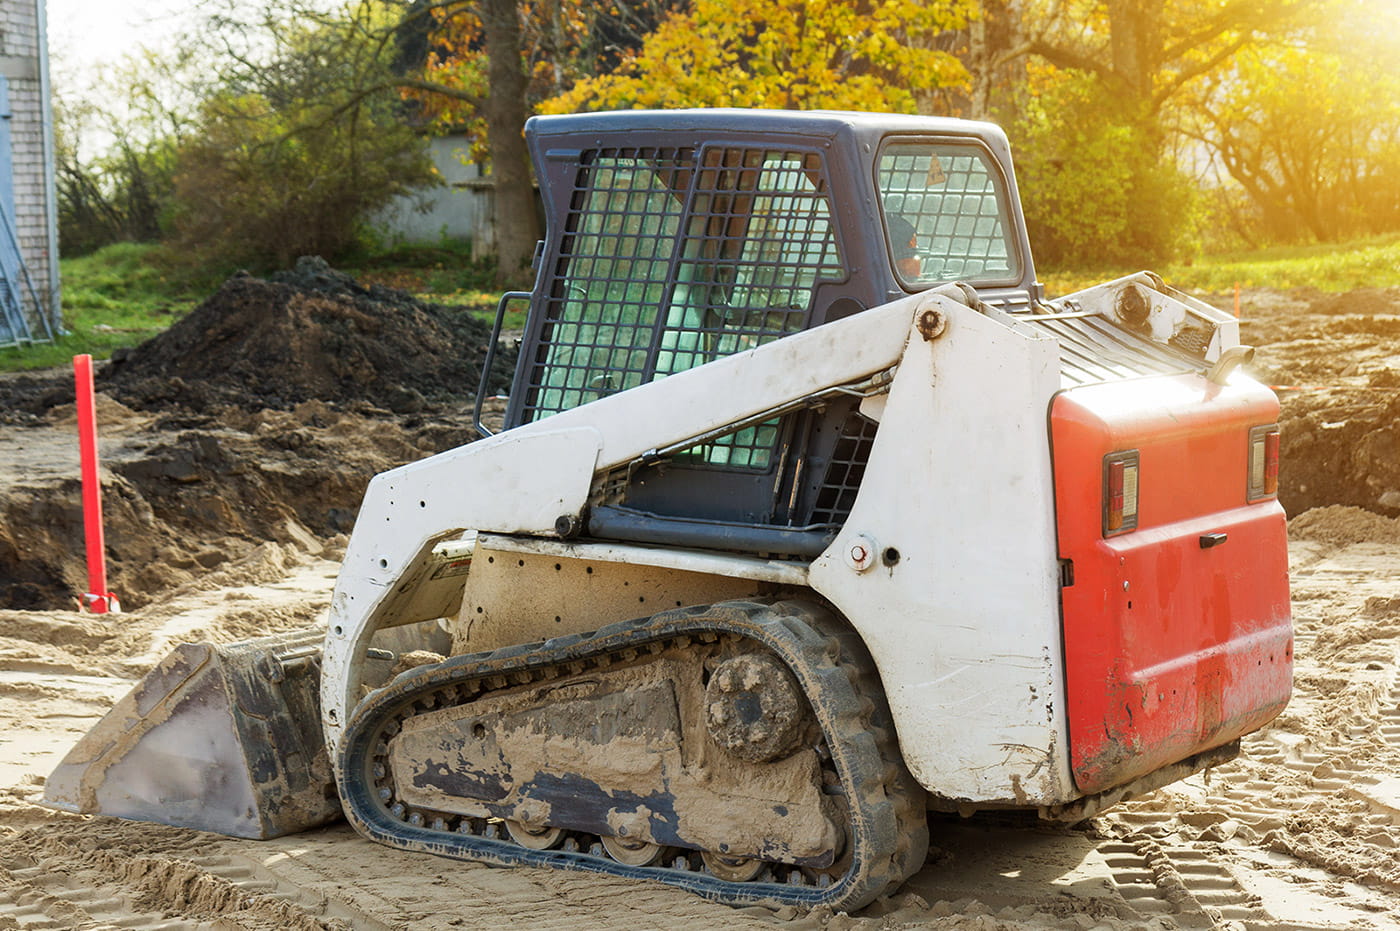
[811, 514]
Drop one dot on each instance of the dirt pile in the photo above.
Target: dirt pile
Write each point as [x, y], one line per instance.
[180, 500]
[259, 416]
[1335, 361]
[1341, 447]
[311, 333]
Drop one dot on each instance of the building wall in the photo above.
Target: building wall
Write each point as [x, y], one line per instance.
[24, 62]
[462, 207]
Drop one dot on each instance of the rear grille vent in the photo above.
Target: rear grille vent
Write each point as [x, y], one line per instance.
[1093, 350]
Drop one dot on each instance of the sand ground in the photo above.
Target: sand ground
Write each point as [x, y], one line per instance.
[1301, 831]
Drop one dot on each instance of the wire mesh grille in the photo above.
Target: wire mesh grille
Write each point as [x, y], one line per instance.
[845, 471]
[640, 298]
[950, 195]
[601, 320]
[759, 238]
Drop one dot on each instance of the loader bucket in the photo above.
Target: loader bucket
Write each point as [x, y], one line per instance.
[219, 738]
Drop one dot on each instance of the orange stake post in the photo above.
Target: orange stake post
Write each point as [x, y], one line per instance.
[97, 599]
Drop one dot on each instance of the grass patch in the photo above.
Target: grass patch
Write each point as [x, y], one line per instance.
[118, 296]
[1335, 267]
[1367, 263]
[126, 293]
[444, 274]
[516, 312]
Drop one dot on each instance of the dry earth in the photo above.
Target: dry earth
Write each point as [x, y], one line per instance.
[227, 503]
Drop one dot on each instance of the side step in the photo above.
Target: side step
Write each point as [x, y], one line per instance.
[218, 738]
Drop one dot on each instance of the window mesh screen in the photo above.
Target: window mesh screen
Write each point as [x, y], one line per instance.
[621, 233]
[639, 298]
[759, 237]
[951, 197]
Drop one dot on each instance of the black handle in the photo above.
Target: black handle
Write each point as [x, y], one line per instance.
[491, 355]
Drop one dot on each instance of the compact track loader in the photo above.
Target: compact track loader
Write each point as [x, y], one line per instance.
[811, 514]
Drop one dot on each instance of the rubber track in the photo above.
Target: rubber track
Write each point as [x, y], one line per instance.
[887, 835]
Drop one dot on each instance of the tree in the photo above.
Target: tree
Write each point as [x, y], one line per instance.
[115, 158]
[298, 141]
[1311, 132]
[463, 81]
[785, 53]
[996, 60]
[1121, 75]
[1148, 52]
[1094, 189]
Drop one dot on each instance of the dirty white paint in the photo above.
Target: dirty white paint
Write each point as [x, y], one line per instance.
[964, 624]
[522, 480]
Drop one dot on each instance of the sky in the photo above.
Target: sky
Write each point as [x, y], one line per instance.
[85, 32]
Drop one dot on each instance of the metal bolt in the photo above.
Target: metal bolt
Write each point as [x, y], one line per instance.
[861, 555]
[931, 324]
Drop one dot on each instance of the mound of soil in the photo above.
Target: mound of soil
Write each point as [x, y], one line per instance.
[1341, 447]
[1340, 525]
[1335, 362]
[311, 333]
[180, 499]
[260, 416]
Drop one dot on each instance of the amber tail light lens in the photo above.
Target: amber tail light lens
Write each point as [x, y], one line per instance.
[1120, 492]
[1263, 462]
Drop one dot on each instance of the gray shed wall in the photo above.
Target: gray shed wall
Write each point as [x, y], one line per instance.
[462, 207]
[24, 62]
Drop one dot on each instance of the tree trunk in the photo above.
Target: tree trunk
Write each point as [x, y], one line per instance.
[517, 228]
[997, 73]
[1134, 44]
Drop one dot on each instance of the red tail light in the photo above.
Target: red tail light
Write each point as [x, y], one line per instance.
[1263, 462]
[1120, 492]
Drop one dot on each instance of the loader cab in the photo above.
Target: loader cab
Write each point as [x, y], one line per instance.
[674, 238]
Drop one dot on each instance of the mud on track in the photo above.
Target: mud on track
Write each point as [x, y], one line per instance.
[228, 514]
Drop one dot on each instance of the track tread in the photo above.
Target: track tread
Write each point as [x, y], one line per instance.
[887, 827]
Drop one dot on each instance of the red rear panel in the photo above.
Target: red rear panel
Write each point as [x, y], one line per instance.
[1176, 639]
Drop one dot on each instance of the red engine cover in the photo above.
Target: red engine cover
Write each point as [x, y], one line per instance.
[1175, 642]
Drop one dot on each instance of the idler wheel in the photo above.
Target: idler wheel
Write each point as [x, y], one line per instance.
[754, 708]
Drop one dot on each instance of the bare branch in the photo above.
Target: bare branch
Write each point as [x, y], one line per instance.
[1067, 58]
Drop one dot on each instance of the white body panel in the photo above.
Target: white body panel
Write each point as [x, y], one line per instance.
[1167, 310]
[522, 589]
[520, 481]
[965, 625]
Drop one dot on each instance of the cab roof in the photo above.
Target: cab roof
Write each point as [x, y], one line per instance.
[827, 123]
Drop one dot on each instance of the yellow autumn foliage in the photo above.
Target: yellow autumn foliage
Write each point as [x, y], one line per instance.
[803, 54]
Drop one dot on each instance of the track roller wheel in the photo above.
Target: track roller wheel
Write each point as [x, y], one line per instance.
[535, 838]
[633, 852]
[731, 869]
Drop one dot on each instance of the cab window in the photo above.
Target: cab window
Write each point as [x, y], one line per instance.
[946, 215]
